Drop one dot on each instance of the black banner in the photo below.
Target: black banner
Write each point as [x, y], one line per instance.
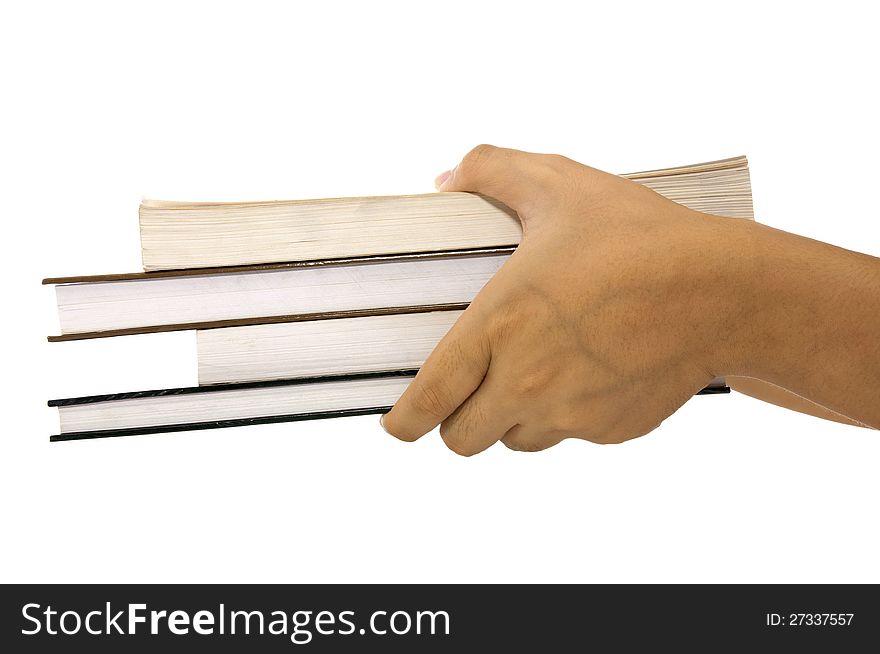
[319, 618]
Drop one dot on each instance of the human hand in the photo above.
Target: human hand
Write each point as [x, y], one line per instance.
[605, 320]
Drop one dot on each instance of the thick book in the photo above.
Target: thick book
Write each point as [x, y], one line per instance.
[342, 346]
[177, 235]
[308, 286]
[234, 405]
[115, 305]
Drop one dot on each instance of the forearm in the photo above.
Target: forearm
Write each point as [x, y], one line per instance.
[811, 323]
[773, 394]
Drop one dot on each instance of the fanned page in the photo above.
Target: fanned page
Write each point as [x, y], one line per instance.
[182, 235]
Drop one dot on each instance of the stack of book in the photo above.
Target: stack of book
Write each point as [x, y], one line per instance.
[310, 309]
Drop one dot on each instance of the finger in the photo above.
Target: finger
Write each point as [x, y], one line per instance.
[451, 373]
[515, 178]
[529, 439]
[481, 420]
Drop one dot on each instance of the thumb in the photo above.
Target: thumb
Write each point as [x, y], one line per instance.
[513, 177]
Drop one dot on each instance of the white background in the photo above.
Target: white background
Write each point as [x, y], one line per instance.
[104, 103]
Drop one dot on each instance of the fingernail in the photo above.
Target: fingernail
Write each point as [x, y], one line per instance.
[382, 423]
[441, 179]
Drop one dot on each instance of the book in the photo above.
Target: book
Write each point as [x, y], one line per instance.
[342, 346]
[375, 343]
[318, 278]
[115, 305]
[235, 405]
[231, 405]
[180, 235]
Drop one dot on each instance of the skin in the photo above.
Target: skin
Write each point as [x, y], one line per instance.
[612, 313]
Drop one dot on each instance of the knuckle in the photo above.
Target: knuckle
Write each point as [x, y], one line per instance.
[456, 356]
[505, 323]
[430, 400]
[455, 440]
[459, 430]
[481, 151]
[476, 158]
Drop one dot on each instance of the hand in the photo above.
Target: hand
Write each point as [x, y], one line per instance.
[605, 320]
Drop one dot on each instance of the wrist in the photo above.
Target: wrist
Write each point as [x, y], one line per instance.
[786, 300]
[739, 263]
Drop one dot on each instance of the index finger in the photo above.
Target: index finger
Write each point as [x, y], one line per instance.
[453, 371]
